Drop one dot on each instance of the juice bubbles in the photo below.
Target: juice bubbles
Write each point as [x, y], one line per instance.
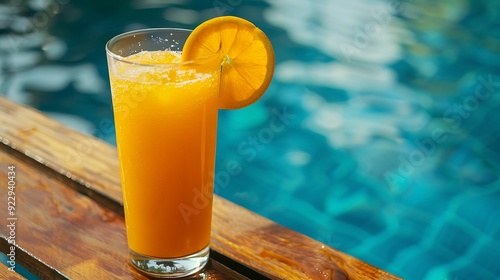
[166, 121]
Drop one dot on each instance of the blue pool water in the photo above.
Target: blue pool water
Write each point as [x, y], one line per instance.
[388, 146]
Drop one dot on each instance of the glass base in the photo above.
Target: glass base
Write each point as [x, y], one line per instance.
[170, 268]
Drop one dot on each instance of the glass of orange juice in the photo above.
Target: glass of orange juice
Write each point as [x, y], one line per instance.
[165, 115]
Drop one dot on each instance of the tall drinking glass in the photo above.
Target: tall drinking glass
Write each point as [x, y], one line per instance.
[166, 120]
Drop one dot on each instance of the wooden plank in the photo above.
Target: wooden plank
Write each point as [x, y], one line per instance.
[91, 167]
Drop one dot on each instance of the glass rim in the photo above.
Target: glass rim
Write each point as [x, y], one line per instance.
[124, 59]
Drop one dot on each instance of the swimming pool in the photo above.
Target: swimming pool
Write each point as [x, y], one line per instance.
[388, 145]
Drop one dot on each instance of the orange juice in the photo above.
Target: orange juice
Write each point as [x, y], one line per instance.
[166, 121]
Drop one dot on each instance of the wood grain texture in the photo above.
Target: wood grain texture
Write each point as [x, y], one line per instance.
[90, 167]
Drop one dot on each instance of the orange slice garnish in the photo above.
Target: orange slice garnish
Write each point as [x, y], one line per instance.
[247, 58]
